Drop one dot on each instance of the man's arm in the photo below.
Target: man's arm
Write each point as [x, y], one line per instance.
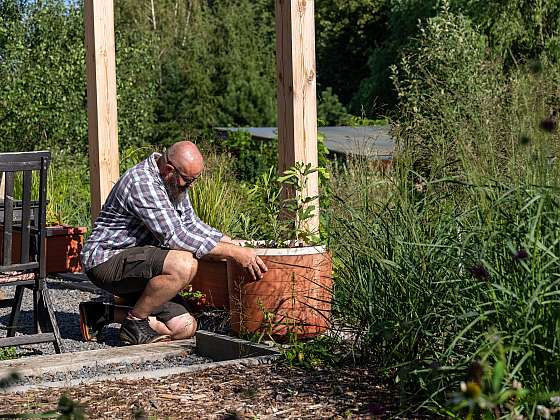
[246, 257]
[151, 205]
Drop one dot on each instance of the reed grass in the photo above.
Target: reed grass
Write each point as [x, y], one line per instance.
[456, 252]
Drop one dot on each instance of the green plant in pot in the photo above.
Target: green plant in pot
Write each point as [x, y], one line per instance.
[294, 296]
[65, 237]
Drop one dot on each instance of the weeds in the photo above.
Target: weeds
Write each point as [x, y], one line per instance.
[8, 353]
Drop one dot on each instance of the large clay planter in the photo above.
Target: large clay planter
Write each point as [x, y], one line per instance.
[64, 244]
[294, 295]
[211, 279]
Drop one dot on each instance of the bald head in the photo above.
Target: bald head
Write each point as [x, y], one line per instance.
[179, 168]
[186, 157]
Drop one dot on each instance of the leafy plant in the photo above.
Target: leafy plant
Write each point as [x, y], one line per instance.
[196, 297]
[310, 354]
[284, 206]
[8, 353]
[301, 206]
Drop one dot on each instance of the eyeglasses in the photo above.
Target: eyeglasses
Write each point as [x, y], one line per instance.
[186, 179]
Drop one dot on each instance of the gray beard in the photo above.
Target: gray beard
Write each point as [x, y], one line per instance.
[176, 196]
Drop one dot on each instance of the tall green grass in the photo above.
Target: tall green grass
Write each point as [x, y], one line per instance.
[216, 196]
[456, 253]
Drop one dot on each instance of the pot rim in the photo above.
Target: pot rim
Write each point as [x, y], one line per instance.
[293, 251]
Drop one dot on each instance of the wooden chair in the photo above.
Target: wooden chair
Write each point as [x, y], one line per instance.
[22, 246]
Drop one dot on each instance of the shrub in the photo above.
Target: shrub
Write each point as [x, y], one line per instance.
[457, 250]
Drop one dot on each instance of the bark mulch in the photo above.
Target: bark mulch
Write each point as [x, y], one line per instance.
[265, 391]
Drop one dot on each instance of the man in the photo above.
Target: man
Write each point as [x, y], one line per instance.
[145, 245]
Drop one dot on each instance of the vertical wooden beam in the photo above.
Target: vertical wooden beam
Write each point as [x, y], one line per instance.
[101, 100]
[297, 102]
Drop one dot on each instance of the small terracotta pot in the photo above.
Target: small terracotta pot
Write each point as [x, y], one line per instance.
[211, 279]
[294, 295]
[64, 244]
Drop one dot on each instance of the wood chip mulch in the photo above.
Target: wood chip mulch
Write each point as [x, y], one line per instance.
[231, 392]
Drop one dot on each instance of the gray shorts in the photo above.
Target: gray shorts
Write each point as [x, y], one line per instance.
[126, 275]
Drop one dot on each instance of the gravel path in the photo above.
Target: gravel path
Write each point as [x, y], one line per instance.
[102, 369]
[65, 302]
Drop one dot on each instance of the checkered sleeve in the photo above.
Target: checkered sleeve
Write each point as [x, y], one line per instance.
[191, 219]
[151, 204]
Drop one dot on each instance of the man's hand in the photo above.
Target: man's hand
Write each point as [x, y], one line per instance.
[248, 259]
[227, 239]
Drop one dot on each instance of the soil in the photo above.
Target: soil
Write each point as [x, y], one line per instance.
[232, 392]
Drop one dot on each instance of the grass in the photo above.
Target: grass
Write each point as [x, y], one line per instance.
[452, 260]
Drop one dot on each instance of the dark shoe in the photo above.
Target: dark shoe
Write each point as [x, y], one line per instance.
[93, 317]
[138, 331]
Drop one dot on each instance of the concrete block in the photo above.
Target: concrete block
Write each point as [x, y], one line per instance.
[220, 347]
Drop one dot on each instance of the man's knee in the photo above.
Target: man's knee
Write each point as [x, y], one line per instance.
[181, 265]
[182, 326]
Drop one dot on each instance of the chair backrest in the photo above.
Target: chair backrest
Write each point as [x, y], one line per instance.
[22, 218]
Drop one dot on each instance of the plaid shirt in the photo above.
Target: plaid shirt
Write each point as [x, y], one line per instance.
[138, 212]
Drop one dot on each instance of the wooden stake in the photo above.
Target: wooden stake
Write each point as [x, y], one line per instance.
[101, 100]
[297, 102]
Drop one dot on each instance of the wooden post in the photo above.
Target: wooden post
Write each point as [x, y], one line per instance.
[101, 100]
[297, 102]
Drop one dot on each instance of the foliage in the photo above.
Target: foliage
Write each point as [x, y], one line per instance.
[190, 65]
[444, 85]
[243, 56]
[329, 109]
[252, 156]
[42, 76]
[215, 197]
[214, 62]
[346, 31]
[136, 87]
[8, 353]
[517, 30]
[321, 351]
[68, 190]
[281, 207]
[457, 249]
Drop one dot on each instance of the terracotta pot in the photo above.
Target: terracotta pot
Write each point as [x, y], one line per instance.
[211, 279]
[294, 295]
[64, 244]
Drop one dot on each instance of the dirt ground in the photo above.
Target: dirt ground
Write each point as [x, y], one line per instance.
[232, 392]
